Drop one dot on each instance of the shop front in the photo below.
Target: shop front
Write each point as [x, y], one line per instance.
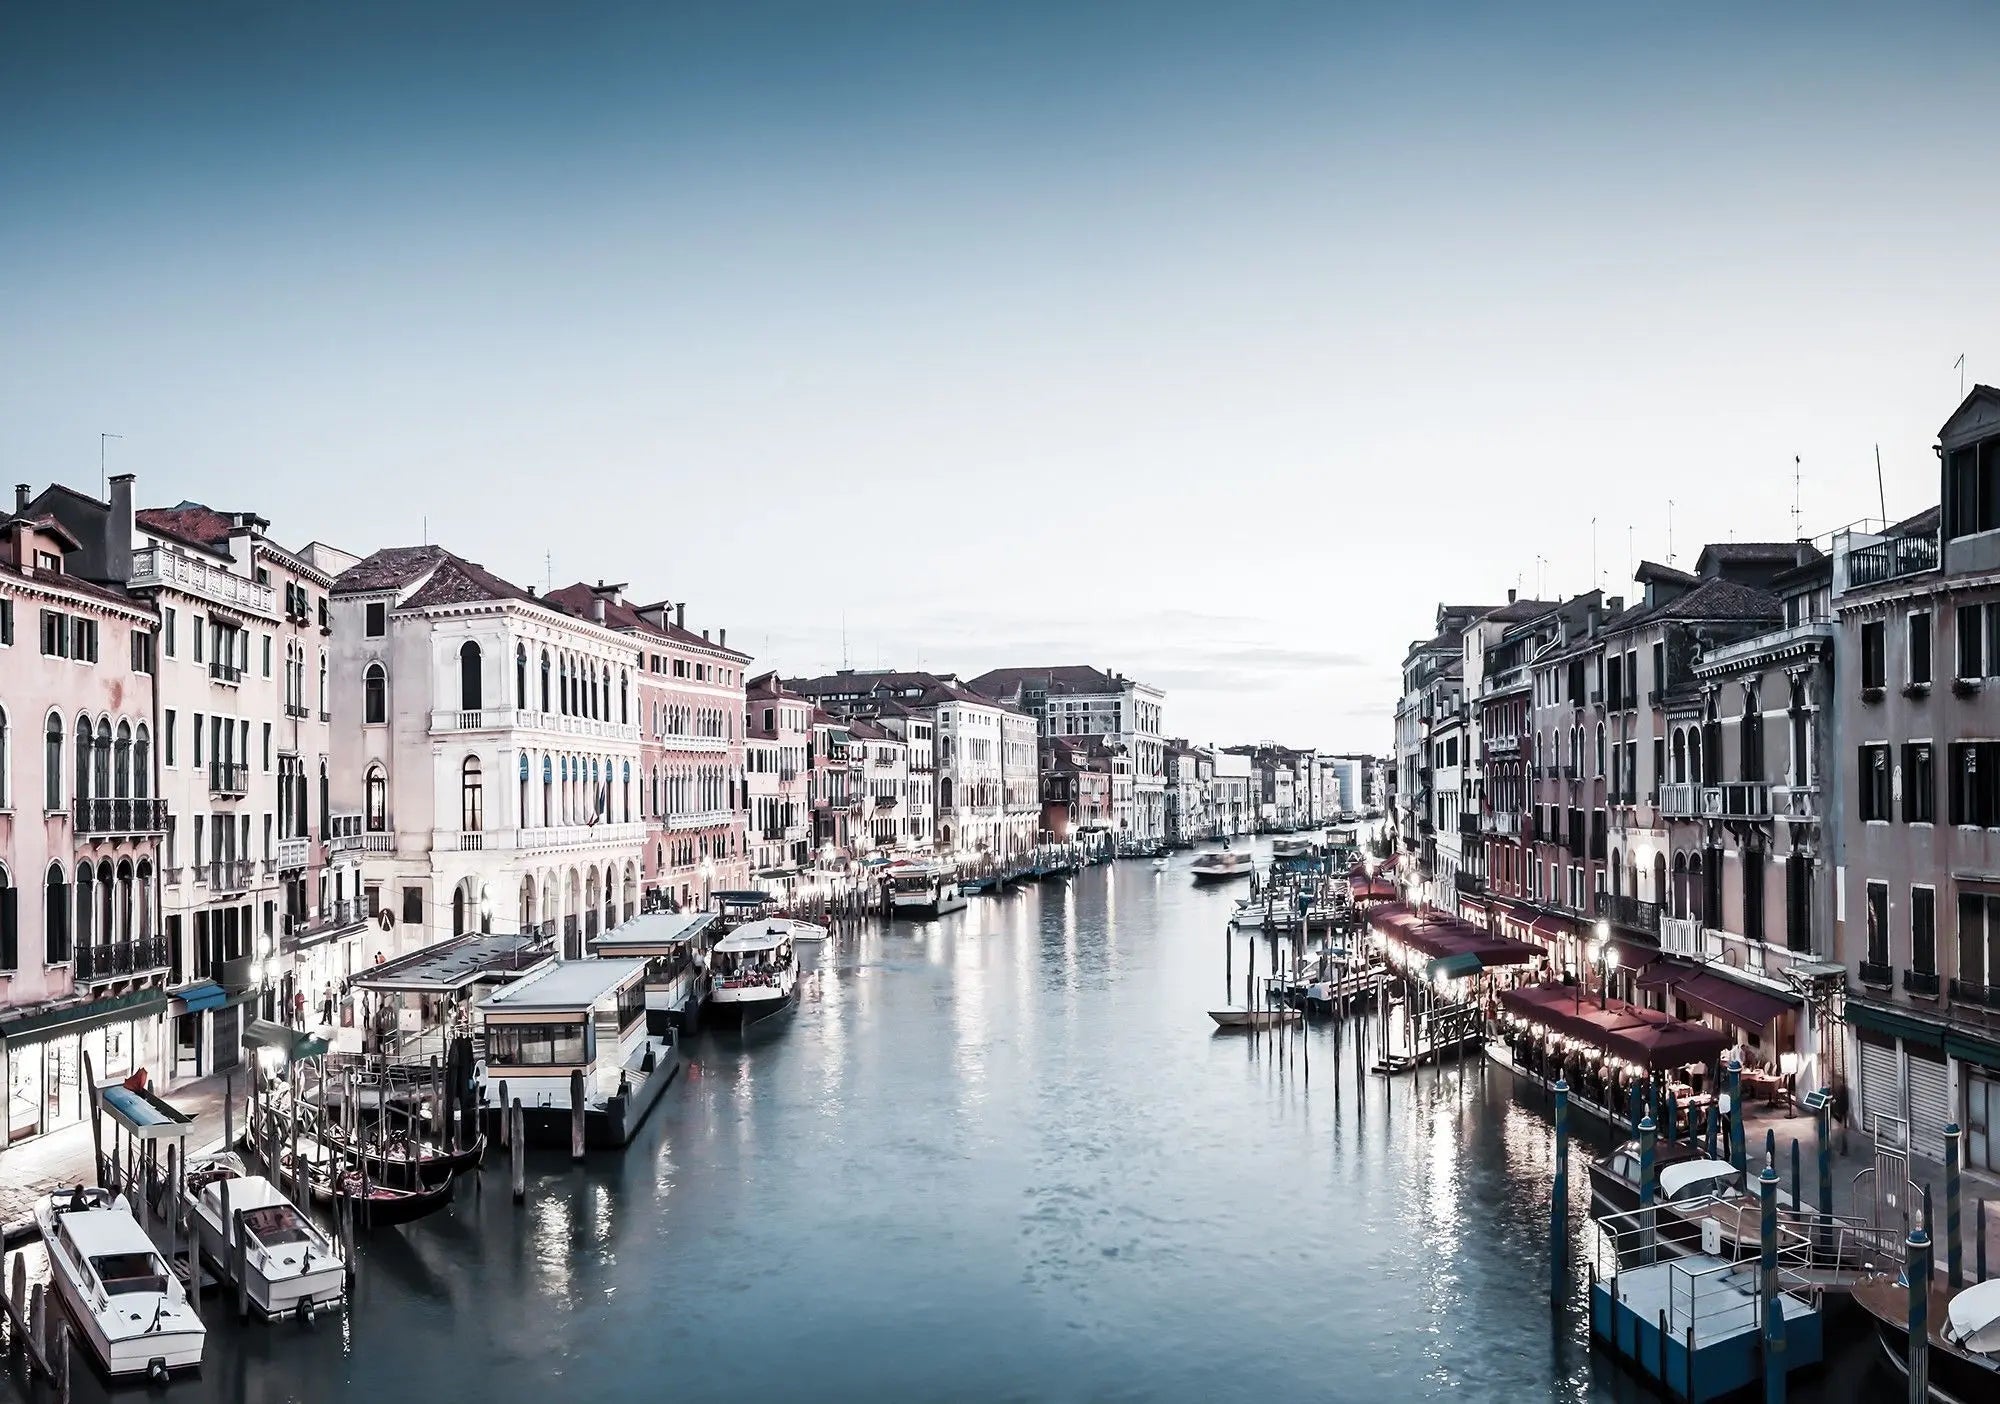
[47, 1052]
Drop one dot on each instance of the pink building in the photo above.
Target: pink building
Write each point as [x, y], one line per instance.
[692, 793]
[83, 969]
[778, 735]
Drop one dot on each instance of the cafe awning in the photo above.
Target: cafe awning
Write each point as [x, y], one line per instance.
[1716, 994]
[197, 998]
[291, 1043]
[1642, 1036]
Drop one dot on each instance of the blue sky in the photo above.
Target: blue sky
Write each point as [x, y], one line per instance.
[1215, 344]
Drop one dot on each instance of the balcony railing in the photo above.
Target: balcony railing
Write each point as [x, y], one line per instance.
[1891, 559]
[376, 841]
[220, 671]
[1798, 804]
[228, 777]
[1984, 996]
[1468, 823]
[293, 852]
[297, 709]
[155, 566]
[1630, 912]
[122, 960]
[230, 874]
[101, 817]
[1680, 801]
[1470, 883]
[1682, 936]
[1508, 825]
[506, 718]
[1921, 982]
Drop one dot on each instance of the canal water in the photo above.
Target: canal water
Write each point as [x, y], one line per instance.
[1003, 1156]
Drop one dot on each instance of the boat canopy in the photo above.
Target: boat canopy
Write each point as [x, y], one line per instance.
[743, 898]
[655, 930]
[143, 1114]
[1675, 1178]
[1972, 1320]
[765, 936]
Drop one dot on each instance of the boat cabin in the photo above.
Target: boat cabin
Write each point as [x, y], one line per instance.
[757, 954]
[674, 946]
[571, 1015]
[413, 1004]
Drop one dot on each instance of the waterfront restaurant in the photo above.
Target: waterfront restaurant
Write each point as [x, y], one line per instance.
[1607, 1048]
[1433, 946]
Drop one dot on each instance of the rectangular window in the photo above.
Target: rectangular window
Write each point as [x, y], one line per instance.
[1971, 641]
[1975, 782]
[197, 740]
[1972, 489]
[413, 906]
[1874, 781]
[199, 632]
[267, 655]
[169, 731]
[1873, 663]
[1923, 930]
[1920, 647]
[168, 621]
[1978, 940]
[55, 634]
[1878, 923]
[267, 748]
[1752, 863]
[378, 620]
[1919, 783]
[200, 824]
[6, 623]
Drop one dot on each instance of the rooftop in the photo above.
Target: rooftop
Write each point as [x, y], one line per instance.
[564, 985]
[454, 964]
[655, 929]
[581, 599]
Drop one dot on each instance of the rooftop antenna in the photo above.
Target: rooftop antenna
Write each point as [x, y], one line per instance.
[1594, 581]
[103, 437]
[1631, 560]
[1796, 535]
[427, 528]
[843, 638]
[1960, 363]
[1881, 496]
[1670, 531]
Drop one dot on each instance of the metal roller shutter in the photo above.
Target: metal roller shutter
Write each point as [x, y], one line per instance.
[1930, 1105]
[1881, 1088]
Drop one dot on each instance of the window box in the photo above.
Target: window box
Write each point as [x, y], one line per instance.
[1923, 983]
[1916, 690]
[1871, 694]
[1873, 974]
[1965, 687]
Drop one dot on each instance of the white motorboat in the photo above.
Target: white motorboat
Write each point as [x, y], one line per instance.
[1251, 1018]
[808, 932]
[1248, 914]
[130, 1308]
[924, 891]
[1160, 865]
[290, 1266]
[754, 972]
[1222, 867]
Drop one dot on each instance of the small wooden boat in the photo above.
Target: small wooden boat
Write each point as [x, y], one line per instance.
[408, 1162]
[336, 1187]
[1160, 865]
[1964, 1358]
[1251, 1018]
[130, 1309]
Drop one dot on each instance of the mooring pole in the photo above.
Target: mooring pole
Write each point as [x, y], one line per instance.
[1916, 1256]
[1647, 1134]
[1559, 1199]
[1736, 1156]
[1774, 1310]
[1954, 1247]
[1821, 1118]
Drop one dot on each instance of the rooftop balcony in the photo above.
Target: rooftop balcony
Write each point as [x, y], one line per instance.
[1890, 559]
[155, 566]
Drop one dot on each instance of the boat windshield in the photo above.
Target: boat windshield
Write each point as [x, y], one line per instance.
[914, 882]
[276, 1224]
[130, 1272]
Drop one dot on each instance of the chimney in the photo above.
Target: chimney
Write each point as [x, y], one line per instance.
[118, 527]
[20, 497]
[722, 637]
[597, 608]
[680, 616]
[704, 636]
[1510, 597]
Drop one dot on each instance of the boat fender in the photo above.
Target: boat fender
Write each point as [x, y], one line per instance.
[306, 1311]
[156, 1370]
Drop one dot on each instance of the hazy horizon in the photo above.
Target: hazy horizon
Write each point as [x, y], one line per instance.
[1215, 347]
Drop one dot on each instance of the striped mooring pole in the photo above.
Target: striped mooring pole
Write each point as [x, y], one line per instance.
[1954, 1248]
[1767, 1262]
[1916, 1262]
[1559, 1198]
[1736, 1115]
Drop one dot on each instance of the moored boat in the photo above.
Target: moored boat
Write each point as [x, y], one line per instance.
[1963, 1362]
[1221, 867]
[1251, 1018]
[131, 1310]
[289, 1265]
[754, 973]
[923, 891]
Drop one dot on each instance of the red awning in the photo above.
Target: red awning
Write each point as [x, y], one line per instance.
[1643, 1036]
[1634, 955]
[1742, 1005]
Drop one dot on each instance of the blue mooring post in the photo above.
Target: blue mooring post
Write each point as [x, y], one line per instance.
[1916, 1257]
[1821, 1118]
[1774, 1312]
[1930, 1240]
[1736, 1115]
[1647, 1132]
[1714, 1115]
[1954, 1249]
[1673, 1119]
[1559, 1199]
[1798, 1204]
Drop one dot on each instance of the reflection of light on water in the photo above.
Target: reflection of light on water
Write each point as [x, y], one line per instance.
[603, 1214]
[969, 1015]
[549, 1236]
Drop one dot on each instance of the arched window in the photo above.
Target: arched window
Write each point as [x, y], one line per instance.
[142, 763]
[472, 797]
[83, 769]
[55, 914]
[624, 699]
[521, 814]
[562, 684]
[377, 801]
[144, 895]
[100, 772]
[322, 687]
[121, 763]
[86, 902]
[10, 925]
[52, 758]
[124, 911]
[521, 676]
[1694, 757]
[548, 792]
[375, 695]
[6, 765]
[545, 680]
[626, 812]
[470, 693]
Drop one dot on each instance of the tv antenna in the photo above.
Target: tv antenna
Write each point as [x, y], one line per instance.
[1670, 531]
[102, 437]
[1881, 496]
[1796, 536]
[1960, 363]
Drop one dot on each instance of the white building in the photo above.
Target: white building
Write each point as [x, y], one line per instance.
[1233, 796]
[486, 754]
[1078, 700]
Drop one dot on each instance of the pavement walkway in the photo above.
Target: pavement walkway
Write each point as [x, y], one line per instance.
[63, 1158]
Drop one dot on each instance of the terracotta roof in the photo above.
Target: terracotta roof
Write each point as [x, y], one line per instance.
[191, 522]
[862, 730]
[1521, 609]
[1925, 523]
[1712, 599]
[1070, 679]
[578, 599]
[447, 579]
[863, 682]
[44, 522]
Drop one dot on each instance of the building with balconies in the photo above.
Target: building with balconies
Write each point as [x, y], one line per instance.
[486, 755]
[83, 969]
[1078, 700]
[1918, 610]
[1423, 699]
[777, 734]
[692, 780]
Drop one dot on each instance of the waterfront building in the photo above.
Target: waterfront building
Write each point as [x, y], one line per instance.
[913, 731]
[777, 732]
[83, 967]
[692, 764]
[1079, 700]
[1423, 668]
[1190, 774]
[884, 786]
[485, 756]
[1350, 780]
[1918, 609]
[829, 786]
[1454, 787]
[1497, 692]
[1230, 795]
[1076, 789]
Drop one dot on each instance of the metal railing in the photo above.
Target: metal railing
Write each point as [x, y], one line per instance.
[219, 671]
[1630, 912]
[121, 959]
[228, 777]
[120, 816]
[1891, 559]
[296, 709]
[230, 874]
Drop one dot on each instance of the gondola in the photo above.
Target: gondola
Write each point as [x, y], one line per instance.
[373, 1205]
[407, 1162]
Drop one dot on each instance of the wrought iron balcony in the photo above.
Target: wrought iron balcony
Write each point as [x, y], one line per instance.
[296, 709]
[122, 960]
[1630, 912]
[108, 817]
[219, 671]
[228, 777]
[1921, 982]
[1891, 559]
